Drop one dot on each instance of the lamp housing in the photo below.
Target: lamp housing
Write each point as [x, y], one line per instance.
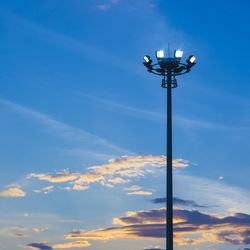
[160, 54]
[178, 54]
[147, 59]
[191, 59]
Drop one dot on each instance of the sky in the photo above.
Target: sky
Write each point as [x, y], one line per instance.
[83, 125]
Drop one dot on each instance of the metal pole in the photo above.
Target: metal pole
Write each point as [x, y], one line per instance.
[169, 186]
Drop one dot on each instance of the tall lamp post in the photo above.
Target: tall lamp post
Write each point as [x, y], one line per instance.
[169, 68]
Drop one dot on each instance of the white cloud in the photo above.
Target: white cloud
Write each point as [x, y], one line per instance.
[60, 127]
[220, 196]
[186, 122]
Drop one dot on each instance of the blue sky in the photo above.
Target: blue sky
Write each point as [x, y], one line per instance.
[83, 125]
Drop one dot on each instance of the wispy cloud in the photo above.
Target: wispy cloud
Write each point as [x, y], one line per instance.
[103, 7]
[61, 128]
[73, 45]
[191, 123]
[108, 5]
[212, 193]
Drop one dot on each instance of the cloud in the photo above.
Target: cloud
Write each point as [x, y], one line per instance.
[186, 122]
[140, 193]
[21, 228]
[17, 235]
[14, 185]
[118, 180]
[39, 246]
[39, 229]
[13, 192]
[133, 188]
[72, 244]
[178, 201]
[131, 166]
[154, 248]
[79, 187]
[142, 217]
[113, 172]
[103, 7]
[43, 245]
[48, 189]
[212, 192]
[60, 127]
[151, 224]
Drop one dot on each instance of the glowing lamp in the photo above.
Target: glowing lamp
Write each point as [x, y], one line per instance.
[178, 54]
[160, 54]
[191, 59]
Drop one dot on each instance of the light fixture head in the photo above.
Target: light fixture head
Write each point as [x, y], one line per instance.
[147, 59]
[160, 54]
[178, 54]
[191, 59]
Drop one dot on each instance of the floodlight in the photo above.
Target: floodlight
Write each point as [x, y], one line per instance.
[178, 54]
[160, 54]
[147, 59]
[191, 59]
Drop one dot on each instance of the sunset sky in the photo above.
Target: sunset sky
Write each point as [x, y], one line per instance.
[83, 125]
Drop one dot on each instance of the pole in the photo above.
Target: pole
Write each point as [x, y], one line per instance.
[169, 185]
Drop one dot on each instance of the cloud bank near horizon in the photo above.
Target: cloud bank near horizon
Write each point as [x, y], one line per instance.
[151, 224]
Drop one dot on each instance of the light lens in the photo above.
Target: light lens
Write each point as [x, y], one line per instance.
[178, 54]
[146, 59]
[192, 59]
[160, 54]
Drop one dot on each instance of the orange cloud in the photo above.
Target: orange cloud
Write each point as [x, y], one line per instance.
[18, 235]
[150, 224]
[139, 193]
[133, 188]
[44, 245]
[72, 244]
[39, 229]
[111, 173]
[13, 192]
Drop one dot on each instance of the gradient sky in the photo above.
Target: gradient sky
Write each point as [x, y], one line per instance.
[83, 125]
